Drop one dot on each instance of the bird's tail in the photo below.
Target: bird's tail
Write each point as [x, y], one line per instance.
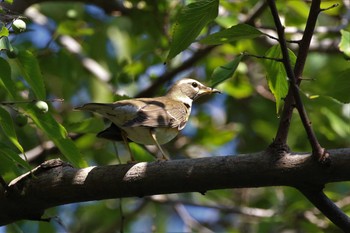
[100, 108]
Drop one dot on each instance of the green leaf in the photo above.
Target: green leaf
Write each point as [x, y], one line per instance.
[13, 156]
[226, 71]
[276, 75]
[30, 70]
[9, 129]
[341, 87]
[58, 134]
[6, 81]
[90, 125]
[190, 23]
[344, 44]
[4, 43]
[338, 125]
[3, 31]
[237, 32]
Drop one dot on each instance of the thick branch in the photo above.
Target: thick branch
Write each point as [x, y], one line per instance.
[56, 183]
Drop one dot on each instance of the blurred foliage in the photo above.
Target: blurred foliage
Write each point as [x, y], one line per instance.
[79, 53]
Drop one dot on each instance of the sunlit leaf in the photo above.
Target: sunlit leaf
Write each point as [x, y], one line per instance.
[74, 28]
[224, 72]
[298, 9]
[9, 129]
[58, 134]
[9, 169]
[344, 44]
[6, 81]
[30, 70]
[4, 43]
[3, 31]
[276, 74]
[338, 125]
[13, 156]
[190, 23]
[237, 32]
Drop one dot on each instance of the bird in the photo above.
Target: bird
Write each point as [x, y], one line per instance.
[150, 121]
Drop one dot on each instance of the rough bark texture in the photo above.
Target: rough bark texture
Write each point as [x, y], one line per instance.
[56, 183]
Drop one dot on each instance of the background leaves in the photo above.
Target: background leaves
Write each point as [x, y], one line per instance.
[276, 74]
[123, 53]
[190, 22]
[234, 33]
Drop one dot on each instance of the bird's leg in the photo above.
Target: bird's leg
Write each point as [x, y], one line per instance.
[153, 135]
[125, 139]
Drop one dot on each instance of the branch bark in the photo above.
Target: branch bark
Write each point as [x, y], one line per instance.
[56, 183]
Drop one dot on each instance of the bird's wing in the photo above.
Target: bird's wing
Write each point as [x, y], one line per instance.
[160, 112]
[147, 112]
[118, 112]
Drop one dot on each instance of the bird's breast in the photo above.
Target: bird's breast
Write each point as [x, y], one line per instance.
[142, 135]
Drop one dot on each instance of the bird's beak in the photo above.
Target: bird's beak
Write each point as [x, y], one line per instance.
[209, 90]
[206, 91]
[213, 90]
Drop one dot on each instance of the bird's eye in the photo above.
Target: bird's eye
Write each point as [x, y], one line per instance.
[194, 84]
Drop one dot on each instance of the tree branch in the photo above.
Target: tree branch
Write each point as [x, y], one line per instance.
[327, 207]
[283, 129]
[319, 153]
[56, 183]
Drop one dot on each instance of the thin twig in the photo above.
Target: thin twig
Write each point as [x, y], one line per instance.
[331, 7]
[13, 102]
[264, 57]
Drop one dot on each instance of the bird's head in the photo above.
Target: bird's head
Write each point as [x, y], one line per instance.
[187, 90]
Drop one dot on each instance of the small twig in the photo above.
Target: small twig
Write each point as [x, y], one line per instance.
[271, 37]
[264, 57]
[247, 211]
[189, 221]
[329, 8]
[294, 41]
[307, 79]
[28, 101]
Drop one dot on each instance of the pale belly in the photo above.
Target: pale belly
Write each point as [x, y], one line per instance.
[142, 135]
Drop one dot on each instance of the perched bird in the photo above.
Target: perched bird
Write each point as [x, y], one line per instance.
[150, 121]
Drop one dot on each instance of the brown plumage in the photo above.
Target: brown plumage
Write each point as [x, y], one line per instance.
[148, 121]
